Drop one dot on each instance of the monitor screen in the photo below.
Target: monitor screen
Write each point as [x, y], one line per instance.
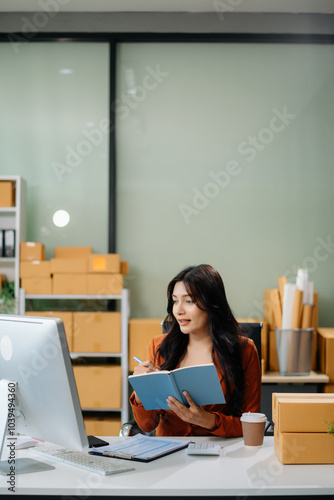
[34, 354]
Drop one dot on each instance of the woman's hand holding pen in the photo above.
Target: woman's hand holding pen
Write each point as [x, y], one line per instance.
[194, 414]
[143, 367]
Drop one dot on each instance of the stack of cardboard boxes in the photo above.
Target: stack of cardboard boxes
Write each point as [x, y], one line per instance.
[73, 271]
[301, 424]
[78, 271]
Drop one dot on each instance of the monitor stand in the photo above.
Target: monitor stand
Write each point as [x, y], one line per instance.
[13, 465]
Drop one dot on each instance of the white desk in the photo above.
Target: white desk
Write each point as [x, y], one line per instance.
[238, 472]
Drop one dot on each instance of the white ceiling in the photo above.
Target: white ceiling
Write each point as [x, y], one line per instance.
[288, 6]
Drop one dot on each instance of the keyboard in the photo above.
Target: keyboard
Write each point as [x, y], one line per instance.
[203, 449]
[93, 463]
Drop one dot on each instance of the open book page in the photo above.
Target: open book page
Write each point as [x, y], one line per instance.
[201, 382]
[153, 389]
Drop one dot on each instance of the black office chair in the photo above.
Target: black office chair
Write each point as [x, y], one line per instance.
[253, 331]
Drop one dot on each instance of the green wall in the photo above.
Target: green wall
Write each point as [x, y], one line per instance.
[52, 98]
[225, 156]
[206, 169]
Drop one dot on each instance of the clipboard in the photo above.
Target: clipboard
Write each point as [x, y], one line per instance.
[140, 448]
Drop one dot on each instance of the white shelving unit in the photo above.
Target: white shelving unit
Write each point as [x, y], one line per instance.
[123, 355]
[14, 218]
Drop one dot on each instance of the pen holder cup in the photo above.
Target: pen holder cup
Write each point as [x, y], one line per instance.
[294, 350]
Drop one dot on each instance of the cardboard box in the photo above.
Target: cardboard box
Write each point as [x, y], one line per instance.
[302, 412]
[141, 331]
[70, 284]
[69, 266]
[65, 316]
[99, 386]
[124, 267]
[326, 352]
[73, 252]
[97, 332]
[99, 426]
[37, 286]
[104, 263]
[304, 448]
[7, 194]
[32, 250]
[35, 269]
[104, 284]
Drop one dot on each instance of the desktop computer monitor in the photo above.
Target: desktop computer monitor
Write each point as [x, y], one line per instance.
[34, 354]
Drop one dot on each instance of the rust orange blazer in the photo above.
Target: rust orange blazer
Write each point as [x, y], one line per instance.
[167, 423]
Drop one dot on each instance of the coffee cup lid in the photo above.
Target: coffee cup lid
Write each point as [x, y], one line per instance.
[253, 417]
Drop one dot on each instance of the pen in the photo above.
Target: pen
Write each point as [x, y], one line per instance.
[140, 361]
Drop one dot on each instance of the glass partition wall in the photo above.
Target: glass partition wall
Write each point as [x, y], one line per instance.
[222, 154]
[54, 132]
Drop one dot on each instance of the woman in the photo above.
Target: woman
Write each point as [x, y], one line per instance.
[202, 330]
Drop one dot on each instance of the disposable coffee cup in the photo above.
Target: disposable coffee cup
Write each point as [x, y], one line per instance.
[253, 425]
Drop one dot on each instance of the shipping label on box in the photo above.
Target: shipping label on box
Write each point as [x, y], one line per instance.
[72, 252]
[99, 386]
[70, 284]
[104, 284]
[69, 266]
[32, 250]
[7, 194]
[35, 269]
[37, 286]
[304, 447]
[97, 332]
[141, 331]
[104, 263]
[302, 412]
[65, 316]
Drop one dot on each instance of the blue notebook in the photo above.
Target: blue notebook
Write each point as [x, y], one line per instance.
[201, 382]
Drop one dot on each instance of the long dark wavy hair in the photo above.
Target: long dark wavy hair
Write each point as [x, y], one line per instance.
[206, 288]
